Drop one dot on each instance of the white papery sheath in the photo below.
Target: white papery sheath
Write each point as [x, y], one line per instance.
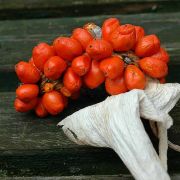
[116, 123]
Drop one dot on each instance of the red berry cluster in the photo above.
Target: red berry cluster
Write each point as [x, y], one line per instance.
[120, 58]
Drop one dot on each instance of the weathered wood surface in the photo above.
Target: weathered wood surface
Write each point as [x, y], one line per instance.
[97, 177]
[31, 146]
[18, 37]
[101, 177]
[23, 9]
[29, 4]
[24, 131]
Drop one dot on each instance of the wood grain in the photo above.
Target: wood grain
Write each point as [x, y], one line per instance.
[17, 38]
[28, 9]
[25, 131]
[105, 177]
[102, 177]
[19, 4]
[30, 146]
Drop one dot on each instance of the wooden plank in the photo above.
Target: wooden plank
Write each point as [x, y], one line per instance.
[102, 177]
[105, 177]
[23, 131]
[17, 38]
[29, 4]
[21, 9]
[33, 146]
[77, 162]
[62, 162]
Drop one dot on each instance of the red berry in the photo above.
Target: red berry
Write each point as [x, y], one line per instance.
[71, 80]
[95, 76]
[83, 36]
[109, 26]
[162, 55]
[40, 109]
[27, 92]
[67, 48]
[162, 80]
[139, 33]
[123, 38]
[147, 46]
[41, 53]
[54, 67]
[66, 92]
[134, 78]
[154, 67]
[99, 49]
[81, 64]
[21, 106]
[27, 73]
[53, 102]
[112, 67]
[115, 86]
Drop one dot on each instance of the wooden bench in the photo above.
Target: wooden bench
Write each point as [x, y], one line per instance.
[35, 147]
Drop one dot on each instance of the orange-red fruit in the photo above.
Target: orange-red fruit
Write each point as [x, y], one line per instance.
[53, 102]
[147, 46]
[54, 51]
[123, 38]
[99, 49]
[83, 36]
[95, 76]
[27, 73]
[154, 67]
[65, 91]
[31, 61]
[139, 33]
[134, 78]
[41, 53]
[108, 27]
[40, 109]
[54, 67]
[115, 86]
[162, 80]
[71, 80]
[81, 64]
[22, 106]
[162, 55]
[112, 67]
[67, 48]
[27, 92]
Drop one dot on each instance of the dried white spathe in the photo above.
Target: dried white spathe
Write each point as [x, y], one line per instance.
[164, 98]
[116, 123]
